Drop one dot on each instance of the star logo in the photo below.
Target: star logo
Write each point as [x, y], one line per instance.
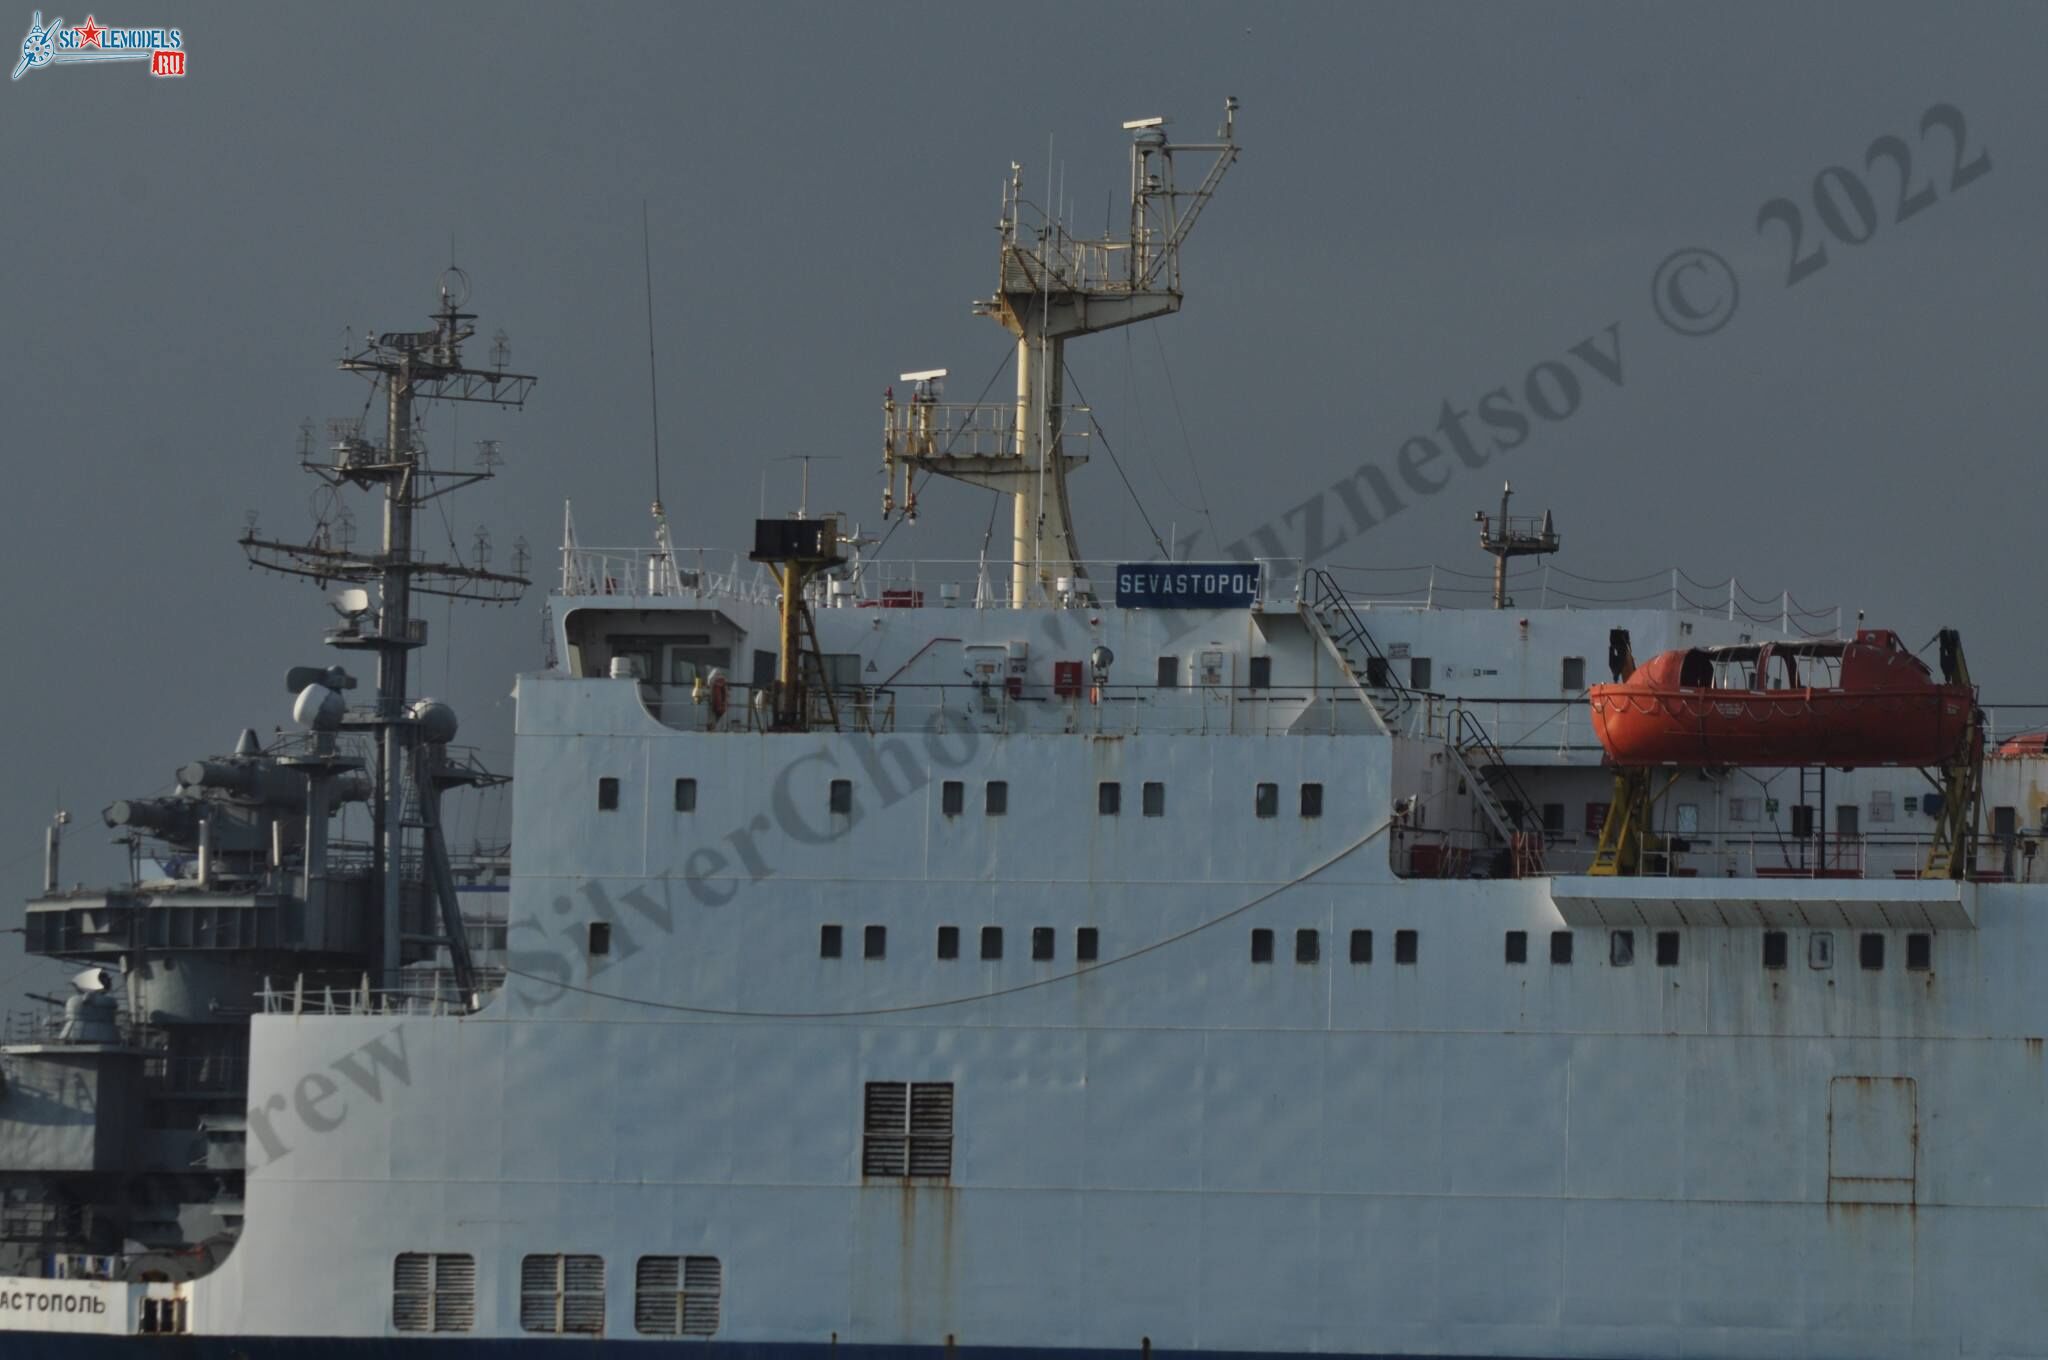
[89, 33]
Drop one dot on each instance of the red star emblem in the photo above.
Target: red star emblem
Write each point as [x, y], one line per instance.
[89, 33]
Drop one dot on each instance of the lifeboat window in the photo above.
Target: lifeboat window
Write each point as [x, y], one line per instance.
[1572, 677]
[1311, 800]
[607, 794]
[997, 798]
[1667, 949]
[1405, 943]
[952, 798]
[1266, 800]
[991, 942]
[829, 942]
[1087, 945]
[1041, 943]
[1262, 945]
[1308, 946]
[949, 942]
[1361, 946]
[842, 796]
[686, 795]
[1560, 946]
[1870, 951]
[1518, 946]
[1697, 670]
[1154, 798]
[1919, 951]
[874, 942]
[1774, 949]
[1109, 798]
[1621, 947]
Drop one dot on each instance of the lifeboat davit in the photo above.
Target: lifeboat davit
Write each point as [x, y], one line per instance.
[1866, 702]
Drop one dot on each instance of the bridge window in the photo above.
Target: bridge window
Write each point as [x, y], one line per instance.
[830, 942]
[949, 942]
[1361, 946]
[1870, 951]
[1308, 946]
[874, 942]
[1154, 798]
[1262, 945]
[1406, 944]
[1311, 800]
[952, 798]
[1667, 949]
[607, 794]
[1109, 798]
[1266, 800]
[1518, 946]
[686, 795]
[1041, 943]
[1087, 945]
[991, 942]
[996, 799]
[1560, 946]
[1919, 951]
[1774, 949]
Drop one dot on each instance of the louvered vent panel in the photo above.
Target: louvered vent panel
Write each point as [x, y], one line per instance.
[540, 1274]
[887, 1105]
[583, 1274]
[703, 1272]
[656, 1311]
[583, 1313]
[931, 1110]
[413, 1273]
[411, 1278]
[700, 1314]
[454, 1293]
[537, 1312]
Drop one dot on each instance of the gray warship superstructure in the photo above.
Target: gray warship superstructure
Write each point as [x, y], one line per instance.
[1099, 957]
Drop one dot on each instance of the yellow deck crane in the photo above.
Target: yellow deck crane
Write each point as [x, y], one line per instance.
[1961, 780]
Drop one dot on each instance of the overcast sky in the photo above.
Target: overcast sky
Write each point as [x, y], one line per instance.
[1432, 200]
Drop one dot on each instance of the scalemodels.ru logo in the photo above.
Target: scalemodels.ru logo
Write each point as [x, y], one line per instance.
[162, 48]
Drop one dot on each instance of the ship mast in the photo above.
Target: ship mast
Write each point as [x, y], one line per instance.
[412, 367]
[1052, 287]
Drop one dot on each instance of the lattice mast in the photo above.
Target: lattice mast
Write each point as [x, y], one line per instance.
[411, 367]
[1053, 286]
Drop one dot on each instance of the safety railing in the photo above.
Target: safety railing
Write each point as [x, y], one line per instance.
[425, 992]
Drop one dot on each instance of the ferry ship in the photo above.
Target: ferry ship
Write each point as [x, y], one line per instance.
[1101, 957]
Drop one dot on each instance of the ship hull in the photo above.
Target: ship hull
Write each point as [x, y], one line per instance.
[63, 1346]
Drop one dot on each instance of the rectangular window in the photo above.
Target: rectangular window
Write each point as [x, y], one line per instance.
[830, 942]
[1155, 799]
[1518, 946]
[1553, 817]
[1870, 951]
[1087, 945]
[1308, 946]
[562, 1295]
[677, 1295]
[1621, 948]
[1361, 946]
[1266, 800]
[1262, 945]
[1109, 798]
[431, 1292]
[996, 800]
[908, 1129]
[1041, 943]
[1774, 949]
[842, 796]
[1169, 672]
[1378, 673]
[991, 942]
[600, 938]
[686, 795]
[874, 942]
[607, 794]
[1261, 676]
[1405, 944]
[952, 798]
[1919, 951]
[1572, 678]
[1667, 949]
[1419, 676]
[1560, 946]
[1311, 800]
[949, 942]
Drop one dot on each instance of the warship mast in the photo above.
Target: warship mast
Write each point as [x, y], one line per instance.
[412, 367]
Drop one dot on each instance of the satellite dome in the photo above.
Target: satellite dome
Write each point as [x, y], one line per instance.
[436, 721]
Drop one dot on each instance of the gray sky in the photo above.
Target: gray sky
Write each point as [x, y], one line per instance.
[1432, 199]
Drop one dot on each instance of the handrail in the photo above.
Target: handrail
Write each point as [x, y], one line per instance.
[1326, 596]
[1468, 735]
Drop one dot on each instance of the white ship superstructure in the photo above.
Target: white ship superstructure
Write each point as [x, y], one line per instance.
[1123, 956]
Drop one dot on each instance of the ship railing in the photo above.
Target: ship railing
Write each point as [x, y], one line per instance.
[643, 573]
[50, 1027]
[429, 993]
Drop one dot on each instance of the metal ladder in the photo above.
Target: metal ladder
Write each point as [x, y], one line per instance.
[1488, 774]
[1331, 616]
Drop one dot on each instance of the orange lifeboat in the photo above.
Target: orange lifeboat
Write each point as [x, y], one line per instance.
[1866, 702]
